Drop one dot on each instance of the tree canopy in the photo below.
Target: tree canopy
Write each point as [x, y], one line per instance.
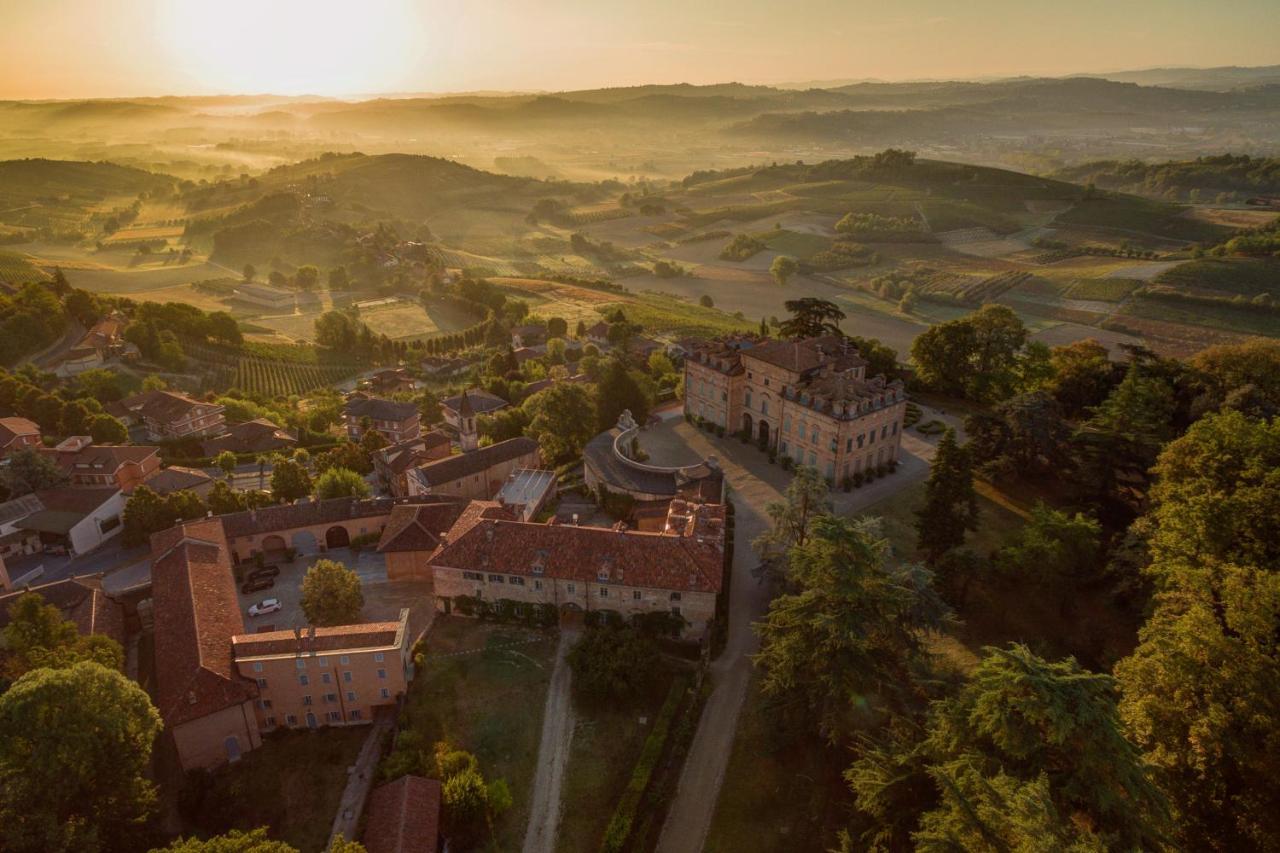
[331, 594]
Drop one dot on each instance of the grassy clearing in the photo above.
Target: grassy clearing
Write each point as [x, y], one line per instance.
[488, 701]
[411, 320]
[606, 745]
[292, 784]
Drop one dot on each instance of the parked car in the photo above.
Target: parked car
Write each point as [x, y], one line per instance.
[257, 584]
[265, 606]
[264, 572]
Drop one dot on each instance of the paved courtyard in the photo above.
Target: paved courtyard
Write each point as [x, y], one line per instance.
[382, 598]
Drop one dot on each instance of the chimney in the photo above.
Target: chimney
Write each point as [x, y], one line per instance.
[575, 519]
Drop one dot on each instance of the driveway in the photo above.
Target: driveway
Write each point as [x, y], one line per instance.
[553, 753]
[754, 484]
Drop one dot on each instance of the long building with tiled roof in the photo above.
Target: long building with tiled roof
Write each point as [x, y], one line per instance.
[490, 556]
[809, 400]
[476, 474]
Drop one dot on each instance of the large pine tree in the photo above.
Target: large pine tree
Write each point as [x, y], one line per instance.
[950, 505]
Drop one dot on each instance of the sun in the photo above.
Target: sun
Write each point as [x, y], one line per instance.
[292, 47]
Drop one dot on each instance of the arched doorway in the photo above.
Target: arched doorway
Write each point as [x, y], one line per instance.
[304, 542]
[764, 433]
[273, 544]
[746, 423]
[337, 537]
[571, 615]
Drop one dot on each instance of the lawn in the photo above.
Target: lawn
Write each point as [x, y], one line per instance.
[292, 784]
[1128, 213]
[606, 744]
[482, 690]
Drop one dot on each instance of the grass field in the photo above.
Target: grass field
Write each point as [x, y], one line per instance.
[1141, 216]
[145, 232]
[292, 784]
[128, 282]
[797, 244]
[1101, 289]
[487, 700]
[1242, 319]
[1230, 276]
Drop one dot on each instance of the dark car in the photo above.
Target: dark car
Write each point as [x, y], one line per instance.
[257, 584]
[264, 572]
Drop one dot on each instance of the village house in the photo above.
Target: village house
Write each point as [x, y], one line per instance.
[598, 334]
[178, 478]
[325, 676]
[809, 400]
[256, 436]
[390, 382]
[89, 464]
[105, 340]
[490, 556]
[168, 415]
[395, 421]
[76, 520]
[474, 474]
[16, 542]
[391, 464]
[468, 405]
[412, 532]
[18, 434]
[530, 335]
[81, 600]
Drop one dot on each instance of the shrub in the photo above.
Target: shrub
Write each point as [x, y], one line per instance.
[847, 483]
[613, 664]
[858, 477]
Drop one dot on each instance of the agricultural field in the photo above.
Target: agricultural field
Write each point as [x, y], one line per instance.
[555, 299]
[145, 232]
[16, 268]
[1138, 216]
[1226, 276]
[1101, 289]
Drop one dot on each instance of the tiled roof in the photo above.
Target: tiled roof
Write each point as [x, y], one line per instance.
[400, 457]
[378, 409]
[477, 461]
[81, 600]
[104, 458]
[197, 613]
[805, 355]
[599, 330]
[250, 437]
[480, 401]
[11, 428]
[403, 816]
[269, 519]
[175, 478]
[77, 500]
[163, 406]
[417, 527]
[367, 635]
[687, 558]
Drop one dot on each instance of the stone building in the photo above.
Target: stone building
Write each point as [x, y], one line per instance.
[809, 400]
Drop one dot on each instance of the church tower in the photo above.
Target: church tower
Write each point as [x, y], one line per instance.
[468, 436]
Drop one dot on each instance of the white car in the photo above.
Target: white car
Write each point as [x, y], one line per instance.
[262, 608]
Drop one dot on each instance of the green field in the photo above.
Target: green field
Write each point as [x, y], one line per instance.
[1230, 276]
[1101, 289]
[1242, 319]
[1141, 216]
[664, 315]
[797, 244]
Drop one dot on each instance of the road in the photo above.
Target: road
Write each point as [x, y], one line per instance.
[754, 484]
[553, 753]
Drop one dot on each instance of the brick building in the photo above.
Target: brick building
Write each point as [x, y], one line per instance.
[168, 415]
[809, 400]
[18, 434]
[89, 464]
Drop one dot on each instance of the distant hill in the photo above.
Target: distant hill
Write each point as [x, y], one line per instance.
[23, 181]
[1222, 78]
[1209, 176]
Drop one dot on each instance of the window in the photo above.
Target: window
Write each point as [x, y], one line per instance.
[569, 588]
[813, 437]
[675, 596]
[784, 448]
[675, 611]
[831, 470]
[382, 673]
[871, 437]
[378, 657]
[300, 663]
[306, 700]
[748, 399]
[262, 683]
[848, 445]
[537, 584]
[346, 677]
[351, 696]
[604, 592]
[813, 459]
[302, 679]
[385, 693]
[326, 678]
[257, 667]
[894, 431]
[344, 660]
[884, 431]
[266, 704]
[516, 581]
[834, 444]
[333, 717]
[497, 579]
[860, 440]
[323, 662]
[635, 595]
[472, 576]
[764, 407]
[354, 715]
[602, 575]
[290, 719]
[271, 722]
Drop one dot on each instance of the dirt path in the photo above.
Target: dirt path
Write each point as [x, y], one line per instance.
[360, 781]
[754, 484]
[553, 754]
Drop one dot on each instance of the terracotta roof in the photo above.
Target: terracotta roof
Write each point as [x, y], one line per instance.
[163, 406]
[77, 499]
[403, 817]
[805, 355]
[367, 635]
[175, 478]
[378, 409]
[477, 461]
[11, 428]
[197, 613]
[417, 527]
[400, 457]
[269, 519]
[250, 437]
[689, 556]
[480, 401]
[81, 600]
[103, 458]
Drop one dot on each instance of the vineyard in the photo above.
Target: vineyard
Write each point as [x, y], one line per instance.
[16, 269]
[971, 290]
[269, 377]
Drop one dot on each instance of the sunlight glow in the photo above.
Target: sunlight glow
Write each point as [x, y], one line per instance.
[292, 47]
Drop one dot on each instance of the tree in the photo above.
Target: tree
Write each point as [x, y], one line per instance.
[1083, 376]
[851, 630]
[226, 462]
[782, 268]
[37, 636]
[145, 513]
[561, 419]
[347, 455]
[341, 483]
[151, 382]
[1054, 548]
[557, 327]
[907, 304]
[1024, 435]
[186, 505]
[307, 277]
[75, 418]
[613, 664]
[224, 499]
[289, 481]
[975, 356]
[811, 317]
[105, 429]
[372, 441]
[1244, 376]
[30, 471]
[223, 327]
[618, 390]
[75, 745]
[331, 594]
[249, 272]
[950, 503]
[807, 498]
[237, 841]
[338, 278]
[706, 301]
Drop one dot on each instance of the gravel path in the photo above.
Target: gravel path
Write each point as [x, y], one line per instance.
[553, 753]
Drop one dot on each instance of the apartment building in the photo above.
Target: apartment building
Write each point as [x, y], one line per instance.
[168, 415]
[809, 400]
[325, 676]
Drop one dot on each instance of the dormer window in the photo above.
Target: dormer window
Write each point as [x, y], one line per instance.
[602, 575]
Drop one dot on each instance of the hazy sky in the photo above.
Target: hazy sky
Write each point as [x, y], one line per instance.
[97, 48]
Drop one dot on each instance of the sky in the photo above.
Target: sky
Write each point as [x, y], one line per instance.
[120, 48]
